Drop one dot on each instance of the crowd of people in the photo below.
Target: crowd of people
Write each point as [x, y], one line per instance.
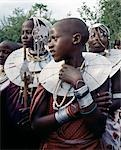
[61, 87]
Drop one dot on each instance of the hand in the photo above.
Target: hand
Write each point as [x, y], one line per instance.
[103, 101]
[70, 74]
[24, 119]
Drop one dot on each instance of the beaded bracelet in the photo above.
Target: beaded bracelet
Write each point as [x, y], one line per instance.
[85, 101]
[77, 82]
[61, 116]
[78, 95]
[81, 90]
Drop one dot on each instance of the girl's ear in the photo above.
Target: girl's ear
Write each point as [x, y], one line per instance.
[76, 38]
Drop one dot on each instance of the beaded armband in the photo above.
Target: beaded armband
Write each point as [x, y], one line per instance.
[62, 116]
[83, 96]
[66, 114]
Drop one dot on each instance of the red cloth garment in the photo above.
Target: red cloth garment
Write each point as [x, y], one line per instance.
[71, 135]
[14, 136]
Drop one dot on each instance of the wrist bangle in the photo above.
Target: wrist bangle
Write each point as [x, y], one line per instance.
[61, 116]
[79, 92]
[79, 96]
[85, 101]
[77, 82]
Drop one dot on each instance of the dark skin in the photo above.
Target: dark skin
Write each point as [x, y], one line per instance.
[28, 42]
[98, 40]
[26, 34]
[95, 40]
[4, 52]
[65, 44]
[6, 48]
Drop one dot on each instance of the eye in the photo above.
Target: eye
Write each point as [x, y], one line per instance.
[103, 34]
[92, 34]
[49, 40]
[29, 31]
[53, 38]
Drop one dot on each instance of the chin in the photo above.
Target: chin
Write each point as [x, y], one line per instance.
[97, 50]
[57, 59]
[26, 45]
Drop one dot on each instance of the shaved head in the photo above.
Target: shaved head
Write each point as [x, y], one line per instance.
[10, 45]
[72, 26]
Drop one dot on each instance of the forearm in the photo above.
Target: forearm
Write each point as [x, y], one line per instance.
[96, 122]
[94, 119]
[45, 123]
[51, 122]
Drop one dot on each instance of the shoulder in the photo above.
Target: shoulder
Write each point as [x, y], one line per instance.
[39, 95]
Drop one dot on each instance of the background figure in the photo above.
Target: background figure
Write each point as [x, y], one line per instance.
[99, 43]
[117, 44]
[33, 39]
[6, 47]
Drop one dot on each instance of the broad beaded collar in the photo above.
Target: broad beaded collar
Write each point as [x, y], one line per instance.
[95, 72]
[14, 64]
[4, 82]
[114, 56]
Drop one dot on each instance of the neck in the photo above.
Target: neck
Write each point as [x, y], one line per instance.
[75, 60]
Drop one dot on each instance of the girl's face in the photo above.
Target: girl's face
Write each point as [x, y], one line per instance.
[26, 36]
[60, 44]
[98, 40]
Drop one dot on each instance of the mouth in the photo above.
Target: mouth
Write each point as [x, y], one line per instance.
[25, 42]
[52, 52]
[96, 44]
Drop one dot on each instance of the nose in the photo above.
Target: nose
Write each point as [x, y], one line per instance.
[96, 37]
[50, 45]
[24, 36]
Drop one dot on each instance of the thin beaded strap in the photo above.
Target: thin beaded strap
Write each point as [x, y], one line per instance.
[55, 103]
